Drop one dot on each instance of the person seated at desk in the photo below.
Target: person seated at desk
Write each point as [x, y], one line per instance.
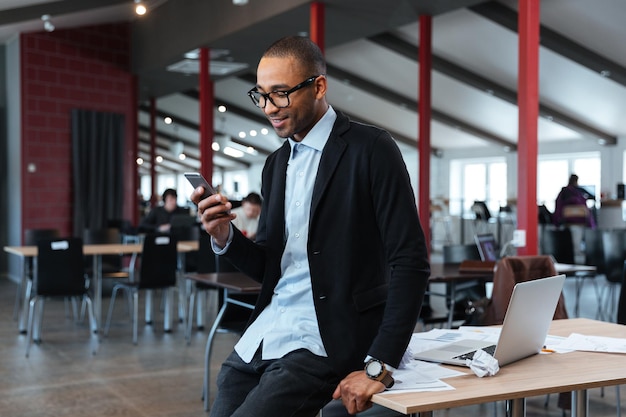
[159, 218]
[247, 220]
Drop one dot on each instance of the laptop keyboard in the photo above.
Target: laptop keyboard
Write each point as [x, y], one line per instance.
[469, 355]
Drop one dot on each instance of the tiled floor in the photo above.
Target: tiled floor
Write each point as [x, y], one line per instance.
[161, 376]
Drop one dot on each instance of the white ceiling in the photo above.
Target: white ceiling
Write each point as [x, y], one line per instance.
[383, 83]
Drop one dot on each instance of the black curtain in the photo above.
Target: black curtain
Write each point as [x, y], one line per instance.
[97, 167]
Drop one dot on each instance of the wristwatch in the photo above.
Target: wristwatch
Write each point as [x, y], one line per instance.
[376, 370]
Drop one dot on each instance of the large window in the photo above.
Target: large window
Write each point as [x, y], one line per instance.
[473, 180]
[553, 172]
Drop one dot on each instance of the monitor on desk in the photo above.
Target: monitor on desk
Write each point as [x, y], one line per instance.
[487, 246]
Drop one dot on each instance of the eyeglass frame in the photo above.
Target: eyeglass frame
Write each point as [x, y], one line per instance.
[267, 96]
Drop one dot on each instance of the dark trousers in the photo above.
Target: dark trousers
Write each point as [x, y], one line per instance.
[299, 384]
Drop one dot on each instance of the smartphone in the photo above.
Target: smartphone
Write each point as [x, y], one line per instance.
[196, 179]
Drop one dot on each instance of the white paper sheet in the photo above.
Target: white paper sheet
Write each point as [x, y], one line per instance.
[577, 341]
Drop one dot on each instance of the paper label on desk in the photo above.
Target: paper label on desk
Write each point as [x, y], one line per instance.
[577, 341]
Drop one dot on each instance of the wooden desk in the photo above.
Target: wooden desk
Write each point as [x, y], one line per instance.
[533, 376]
[230, 283]
[452, 276]
[97, 251]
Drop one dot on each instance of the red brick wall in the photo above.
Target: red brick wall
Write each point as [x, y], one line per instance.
[86, 68]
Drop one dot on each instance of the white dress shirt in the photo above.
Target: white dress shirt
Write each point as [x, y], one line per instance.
[289, 322]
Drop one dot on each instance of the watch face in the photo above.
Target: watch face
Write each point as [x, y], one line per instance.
[374, 368]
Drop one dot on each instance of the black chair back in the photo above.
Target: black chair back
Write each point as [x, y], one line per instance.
[110, 263]
[614, 246]
[559, 244]
[206, 261]
[60, 267]
[594, 250]
[621, 304]
[31, 236]
[158, 262]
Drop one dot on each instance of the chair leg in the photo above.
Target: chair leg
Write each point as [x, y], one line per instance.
[38, 317]
[25, 305]
[135, 315]
[29, 326]
[192, 298]
[110, 312]
[92, 321]
[149, 297]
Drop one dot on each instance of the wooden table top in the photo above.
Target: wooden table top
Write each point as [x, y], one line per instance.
[537, 375]
[100, 249]
[235, 281]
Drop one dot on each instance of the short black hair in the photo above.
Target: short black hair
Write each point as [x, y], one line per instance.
[169, 191]
[253, 198]
[306, 52]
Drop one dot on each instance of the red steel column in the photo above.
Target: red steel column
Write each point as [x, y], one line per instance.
[424, 114]
[317, 24]
[131, 208]
[206, 117]
[153, 144]
[528, 103]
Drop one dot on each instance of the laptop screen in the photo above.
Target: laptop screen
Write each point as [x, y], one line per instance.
[487, 246]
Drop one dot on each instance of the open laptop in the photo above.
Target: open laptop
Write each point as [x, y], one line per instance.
[524, 330]
[487, 246]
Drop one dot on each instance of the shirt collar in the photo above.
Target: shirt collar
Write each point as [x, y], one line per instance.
[318, 135]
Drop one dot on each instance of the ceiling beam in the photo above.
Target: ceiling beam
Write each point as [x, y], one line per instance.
[410, 51]
[410, 104]
[359, 83]
[54, 8]
[195, 127]
[556, 42]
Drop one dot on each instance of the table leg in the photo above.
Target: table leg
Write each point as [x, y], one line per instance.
[26, 286]
[517, 407]
[20, 291]
[580, 403]
[207, 354]
[97, 292]
[452, 303]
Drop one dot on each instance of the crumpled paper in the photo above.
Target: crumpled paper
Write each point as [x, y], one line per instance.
[483, 364]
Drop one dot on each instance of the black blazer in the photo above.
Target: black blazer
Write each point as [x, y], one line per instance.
[367, 253]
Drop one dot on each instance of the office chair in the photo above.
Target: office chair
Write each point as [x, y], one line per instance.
[158, 269]
[59, 273]
[31, 237]
[614, 249]
[465, 293]
[558, 243]
[112, 265]
[508, 272]
[206, 262]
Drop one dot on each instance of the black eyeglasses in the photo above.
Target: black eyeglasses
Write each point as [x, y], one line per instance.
[279, 99]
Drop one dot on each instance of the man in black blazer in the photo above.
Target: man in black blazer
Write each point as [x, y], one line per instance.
[340, 253]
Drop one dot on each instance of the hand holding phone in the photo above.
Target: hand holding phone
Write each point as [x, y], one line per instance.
[196, 179]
